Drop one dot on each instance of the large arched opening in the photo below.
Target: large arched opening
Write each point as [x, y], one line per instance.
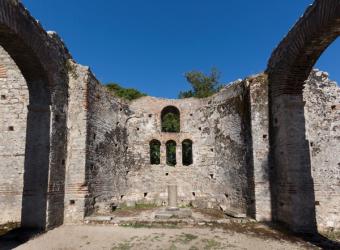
[29, 51]
[170, 120]
[292, 185]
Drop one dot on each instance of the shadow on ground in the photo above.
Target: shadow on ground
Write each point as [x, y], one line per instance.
[16, 237]
[317, 239]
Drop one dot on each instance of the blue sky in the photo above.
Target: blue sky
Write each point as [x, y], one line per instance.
[150, 44]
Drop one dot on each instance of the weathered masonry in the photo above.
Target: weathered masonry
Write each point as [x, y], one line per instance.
[69, 148]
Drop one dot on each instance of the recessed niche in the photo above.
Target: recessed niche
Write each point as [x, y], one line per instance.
[226, 195]
[199, 128]
[72, 202]
[94, 136]
[3, 97]
[193, 194]
[191, 114]
[212, 150]
[333, 107]
[264, 136]
[117, 123]
[10, 128]
[122, 196]
[317, 203]
[56, 118]
[137, 129]
[166, 174]
[211, 176]
[120, 109]
[145, 194]
[127, 172]
[150, 115]
[116, 145]
[63, 162]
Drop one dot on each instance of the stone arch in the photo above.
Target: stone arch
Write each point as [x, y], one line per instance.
[187, 155]
[171, 119]
[288, 68]
[41, 58]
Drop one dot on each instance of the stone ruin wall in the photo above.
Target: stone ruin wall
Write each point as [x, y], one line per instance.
[108, 147]
[13, 116]
[215, 125]
[107, 161]
[118, 169]
[322, 114]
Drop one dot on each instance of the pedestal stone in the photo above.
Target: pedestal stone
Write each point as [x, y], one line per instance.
[172, 197]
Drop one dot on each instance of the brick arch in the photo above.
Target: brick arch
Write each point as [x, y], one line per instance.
[292, 61]
[292, 188]
[41, 58]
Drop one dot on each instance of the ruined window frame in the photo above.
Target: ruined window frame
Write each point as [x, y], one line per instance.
[176, 127]
[187, 161]
[171, 157]
[155, 159]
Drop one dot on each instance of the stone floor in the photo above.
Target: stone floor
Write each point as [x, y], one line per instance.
[124, 238]
[134, 228]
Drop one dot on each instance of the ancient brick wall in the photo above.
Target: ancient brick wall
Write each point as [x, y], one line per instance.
[75, 184]
[322, 112]
[217, 176]
[107, 161]
[13, 110]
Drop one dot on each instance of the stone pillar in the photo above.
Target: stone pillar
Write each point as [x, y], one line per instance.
[179, 154]
[172, 197]
[163, 154]
[261, 209]
[292, 182]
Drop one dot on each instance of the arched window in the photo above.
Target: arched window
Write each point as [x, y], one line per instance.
[187, 152]
[155, 152]
[171, 153]
[170, 117]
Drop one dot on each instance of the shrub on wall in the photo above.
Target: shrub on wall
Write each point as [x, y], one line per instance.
[124, 93]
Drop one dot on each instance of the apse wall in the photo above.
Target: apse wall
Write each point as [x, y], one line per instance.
[118, 168]
[14, 99]
[107, 160]
[322, 114]
[216, 126]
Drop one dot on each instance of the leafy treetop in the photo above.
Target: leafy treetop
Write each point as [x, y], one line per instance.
[202, 85]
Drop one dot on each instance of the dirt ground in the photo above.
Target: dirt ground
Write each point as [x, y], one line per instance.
[125, 238]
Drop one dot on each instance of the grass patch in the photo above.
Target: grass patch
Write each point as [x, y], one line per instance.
[332, 235]
[211, 244]
[124, 210]
[185, 238]
[122, 246]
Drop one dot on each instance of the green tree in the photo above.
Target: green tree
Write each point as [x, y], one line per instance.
[170, 123]
[202, 85]
[124, 93]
